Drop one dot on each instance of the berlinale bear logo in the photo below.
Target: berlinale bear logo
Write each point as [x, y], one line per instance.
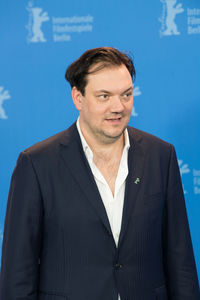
[36, 19]
[4, 95]
[167, 19]
[136, 92]
[1, 238]
[184, 169]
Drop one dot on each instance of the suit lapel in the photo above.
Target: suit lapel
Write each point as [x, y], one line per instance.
[136, 158]
[75, 160]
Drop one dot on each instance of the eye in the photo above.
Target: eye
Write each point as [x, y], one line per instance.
[127, 96]
[103, 97]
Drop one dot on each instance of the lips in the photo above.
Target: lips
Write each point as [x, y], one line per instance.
[114, 119]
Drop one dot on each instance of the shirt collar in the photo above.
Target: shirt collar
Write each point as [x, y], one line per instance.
[86, 148]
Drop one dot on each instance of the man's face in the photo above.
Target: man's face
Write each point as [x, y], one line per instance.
[106, 107]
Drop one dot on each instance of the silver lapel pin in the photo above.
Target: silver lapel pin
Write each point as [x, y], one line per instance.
[137, 180]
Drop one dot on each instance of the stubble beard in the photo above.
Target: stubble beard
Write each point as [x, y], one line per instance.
[103, 136]
[107, 138]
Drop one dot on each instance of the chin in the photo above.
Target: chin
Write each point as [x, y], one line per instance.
[114, 135]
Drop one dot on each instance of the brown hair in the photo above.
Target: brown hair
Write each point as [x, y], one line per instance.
[76, 73]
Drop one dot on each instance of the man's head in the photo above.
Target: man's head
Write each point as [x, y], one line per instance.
[102, 91]
[92, 61]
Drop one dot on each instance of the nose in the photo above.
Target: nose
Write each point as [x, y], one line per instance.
[116, 106]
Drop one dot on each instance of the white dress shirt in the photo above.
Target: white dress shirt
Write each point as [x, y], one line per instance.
[113, 204]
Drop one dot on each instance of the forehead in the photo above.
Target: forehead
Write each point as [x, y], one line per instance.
[110, 78]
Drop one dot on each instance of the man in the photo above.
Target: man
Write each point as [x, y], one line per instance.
[97, 211]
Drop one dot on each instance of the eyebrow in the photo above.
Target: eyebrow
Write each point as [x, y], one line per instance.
[129, 89]
[108, 92]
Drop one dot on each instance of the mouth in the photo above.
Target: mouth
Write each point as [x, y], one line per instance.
[114, 120]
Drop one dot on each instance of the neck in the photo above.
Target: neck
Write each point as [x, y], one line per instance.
[108, 151]
[104, 150]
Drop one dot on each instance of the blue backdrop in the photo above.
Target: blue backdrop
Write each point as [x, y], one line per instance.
[39, 39]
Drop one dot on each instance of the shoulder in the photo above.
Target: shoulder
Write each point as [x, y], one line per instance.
[46, 152]
[157, 152]
[52, 143]
[138, 134]
[149, 142]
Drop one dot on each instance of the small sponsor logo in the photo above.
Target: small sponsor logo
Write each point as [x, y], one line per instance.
[4, 95]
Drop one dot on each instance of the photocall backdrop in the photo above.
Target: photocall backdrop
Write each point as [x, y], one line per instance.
[39, 39]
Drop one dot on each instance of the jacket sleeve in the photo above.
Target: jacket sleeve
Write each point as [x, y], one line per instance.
[22, 234]
[179, 263]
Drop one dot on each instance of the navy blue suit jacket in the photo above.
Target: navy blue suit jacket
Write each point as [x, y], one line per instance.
[58, 242]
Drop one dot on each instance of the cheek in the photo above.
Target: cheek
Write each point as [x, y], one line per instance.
[98, 110]
[129, 107]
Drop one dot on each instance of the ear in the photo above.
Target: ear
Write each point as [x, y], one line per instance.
[77, 98]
